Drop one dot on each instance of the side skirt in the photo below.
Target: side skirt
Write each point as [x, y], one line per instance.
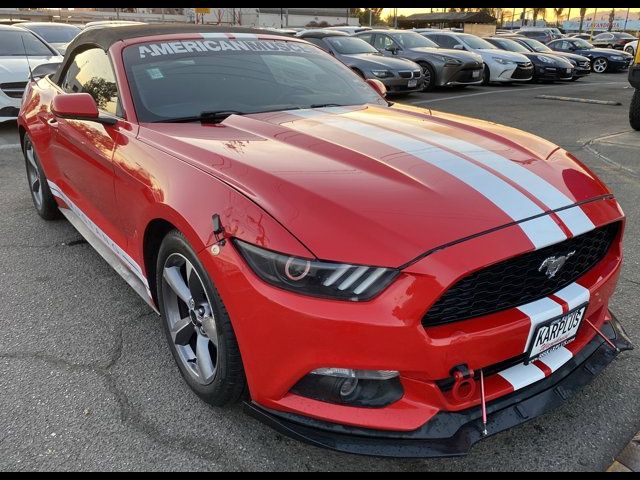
[110, 257]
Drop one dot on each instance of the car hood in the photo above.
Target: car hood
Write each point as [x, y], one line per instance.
[558, 61]
[605, 51]
[374, 60]
[513, 56]
[16, 69]
[572, 56]
[382, 185]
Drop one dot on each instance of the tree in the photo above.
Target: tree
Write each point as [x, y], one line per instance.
[583, 12]
[101, 90]
[363, 15]
[558, 12]
[612, 17]
[536, 12]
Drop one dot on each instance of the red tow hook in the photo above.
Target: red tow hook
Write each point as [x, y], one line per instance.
[483, 402]
[464, 385]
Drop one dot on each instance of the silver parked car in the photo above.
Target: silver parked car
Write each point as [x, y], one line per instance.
[441, 66]
[58, 35]
[398, 74]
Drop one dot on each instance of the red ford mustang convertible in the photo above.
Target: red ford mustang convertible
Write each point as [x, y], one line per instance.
[367, 277]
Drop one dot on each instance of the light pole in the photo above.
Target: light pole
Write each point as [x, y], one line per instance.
[625, 20]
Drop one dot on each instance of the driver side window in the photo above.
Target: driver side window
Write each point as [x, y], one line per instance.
[91, 72]
[382, 42]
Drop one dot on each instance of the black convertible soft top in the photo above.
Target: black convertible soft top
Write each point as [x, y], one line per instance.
[106, 36]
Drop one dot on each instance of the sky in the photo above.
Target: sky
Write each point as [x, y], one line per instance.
[550, 15]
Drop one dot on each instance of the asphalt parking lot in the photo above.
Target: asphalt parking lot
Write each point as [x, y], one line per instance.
[88, 381]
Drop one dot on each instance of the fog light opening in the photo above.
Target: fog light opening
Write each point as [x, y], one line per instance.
[364, 388]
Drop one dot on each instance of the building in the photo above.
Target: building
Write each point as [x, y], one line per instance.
[478, 23]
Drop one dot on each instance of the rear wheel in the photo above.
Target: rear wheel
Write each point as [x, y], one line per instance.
[629, 50]
[197, 325]
[38, 187]
[429, 77]
[600, 65]
[634, 110]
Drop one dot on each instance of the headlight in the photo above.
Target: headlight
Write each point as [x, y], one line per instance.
[503, 61]
[448, 61]
[617, 58]
[382, 73]
[544, 59]
[317, 278]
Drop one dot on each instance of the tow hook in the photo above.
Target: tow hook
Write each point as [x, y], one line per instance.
[464, 386]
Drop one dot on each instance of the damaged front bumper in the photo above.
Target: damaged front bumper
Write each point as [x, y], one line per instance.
[454, 433]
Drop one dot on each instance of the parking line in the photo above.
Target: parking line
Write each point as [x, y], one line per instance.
[584, 84]
[7, 147]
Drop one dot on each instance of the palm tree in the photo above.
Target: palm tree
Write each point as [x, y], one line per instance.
[558, 12]
[536, 12]
[583, 12]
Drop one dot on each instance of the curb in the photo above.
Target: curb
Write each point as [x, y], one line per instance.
[628, 460]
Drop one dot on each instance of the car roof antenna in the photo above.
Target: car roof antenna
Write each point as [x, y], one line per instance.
[27, 57]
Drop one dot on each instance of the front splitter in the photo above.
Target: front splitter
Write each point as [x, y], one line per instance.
[454, 433]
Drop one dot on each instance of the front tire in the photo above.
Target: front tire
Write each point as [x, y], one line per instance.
[600, 65]
[634, 110]
[197, 325]
[486, 78]
[41, 195]
[429, 77]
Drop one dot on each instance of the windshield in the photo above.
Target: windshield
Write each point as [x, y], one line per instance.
[624, 35]
[510, 45]
[472, 41]
[578, 42]
[55, 34]
[413, 40]
[536, 45]
[11, 44]
[177, 79]
[350, 45]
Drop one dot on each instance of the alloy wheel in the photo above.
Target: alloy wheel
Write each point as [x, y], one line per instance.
[190, 318]
[600, 65]
[33, 175]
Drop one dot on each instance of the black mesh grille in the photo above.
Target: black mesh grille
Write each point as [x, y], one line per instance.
[405, 74]
[519, 280]
[13, 89]
[522, 72]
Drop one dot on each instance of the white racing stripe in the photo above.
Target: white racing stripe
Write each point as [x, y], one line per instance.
[541, 232]
[536, 186]
[574, 294]
[538, 312]
[113, 246]
[576, 220]
[521, 375]
[557, 358]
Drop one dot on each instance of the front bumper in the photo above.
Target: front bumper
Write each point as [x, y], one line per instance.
[620, 64]
[552, 73]
[465, 74]
[454, 433]
[401, 85]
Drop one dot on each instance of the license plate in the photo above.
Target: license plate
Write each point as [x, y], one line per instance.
[475, 74]
[412, 83]
[556, 333]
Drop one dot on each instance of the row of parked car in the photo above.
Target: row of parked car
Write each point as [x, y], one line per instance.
[26, 45]
[423, 59]
[403, 60]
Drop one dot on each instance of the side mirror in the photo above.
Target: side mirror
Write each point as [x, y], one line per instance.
[458, 46]
[378, 86]
[45, 69]
[392, 49]
[78, 106]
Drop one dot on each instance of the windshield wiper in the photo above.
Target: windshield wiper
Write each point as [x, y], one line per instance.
[323, 105]
[204, 117]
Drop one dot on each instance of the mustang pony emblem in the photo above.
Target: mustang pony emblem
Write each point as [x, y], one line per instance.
[554, 264]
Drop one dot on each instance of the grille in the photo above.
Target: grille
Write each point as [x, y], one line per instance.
[584, 64]
[416, 73]
[405, 73]
[14, 89]
[522, 72]
[525, 64]
[518, 280]
[466, 75]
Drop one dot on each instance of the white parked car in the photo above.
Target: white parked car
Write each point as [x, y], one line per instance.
[14, 69]
[499, 65]
[631, 47]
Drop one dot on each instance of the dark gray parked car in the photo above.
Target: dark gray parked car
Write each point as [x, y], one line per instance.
[398, 74]
[441, 66]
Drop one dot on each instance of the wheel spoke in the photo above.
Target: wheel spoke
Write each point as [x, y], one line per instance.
[31, 159]
[205, 364]
[182, 331]
[209, 325]
[174, 278]
[35, 186]
[195, 285]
